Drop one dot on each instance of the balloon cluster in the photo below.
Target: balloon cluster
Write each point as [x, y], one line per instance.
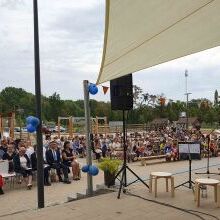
[93, 89]
[91, 169]
[32, 123]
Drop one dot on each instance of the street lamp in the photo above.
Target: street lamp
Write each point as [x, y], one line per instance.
[187, 110]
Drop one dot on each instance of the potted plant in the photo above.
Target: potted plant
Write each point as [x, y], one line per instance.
[110, 168]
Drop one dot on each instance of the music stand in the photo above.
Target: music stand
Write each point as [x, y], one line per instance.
[188, 184]
[124, 168]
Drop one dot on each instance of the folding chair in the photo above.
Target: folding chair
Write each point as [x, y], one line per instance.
[4, 166]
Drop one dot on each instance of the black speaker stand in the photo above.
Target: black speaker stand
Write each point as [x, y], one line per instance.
[124, 168]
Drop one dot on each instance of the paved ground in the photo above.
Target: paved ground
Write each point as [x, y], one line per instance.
[107, 206]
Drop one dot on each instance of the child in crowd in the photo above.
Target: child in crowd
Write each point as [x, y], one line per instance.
[168, 151]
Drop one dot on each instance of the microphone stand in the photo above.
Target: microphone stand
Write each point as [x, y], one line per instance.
[208, 159]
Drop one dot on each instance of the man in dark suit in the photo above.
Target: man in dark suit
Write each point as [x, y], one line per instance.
[54, 160]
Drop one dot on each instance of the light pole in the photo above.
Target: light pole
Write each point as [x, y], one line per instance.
[187, 100]
[187, 110]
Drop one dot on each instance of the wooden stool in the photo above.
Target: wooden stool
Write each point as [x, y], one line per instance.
[218, 195]
[158, 175]
[207, 182]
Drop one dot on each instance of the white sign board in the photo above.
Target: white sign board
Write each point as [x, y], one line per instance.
[79, 120]
[192, 148]
[115, 123]
[182, 114]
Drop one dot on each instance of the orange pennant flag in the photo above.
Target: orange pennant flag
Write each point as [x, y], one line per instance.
[105, 89]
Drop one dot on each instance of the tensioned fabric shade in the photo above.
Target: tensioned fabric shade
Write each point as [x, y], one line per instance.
[143, 33]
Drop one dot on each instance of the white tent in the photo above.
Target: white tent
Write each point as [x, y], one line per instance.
[143, 33]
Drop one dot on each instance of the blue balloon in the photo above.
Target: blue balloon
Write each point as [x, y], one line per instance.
[35, 121]
[31, 128]
[85, 168]
[93, 170]
[29, 119]
[93, 89]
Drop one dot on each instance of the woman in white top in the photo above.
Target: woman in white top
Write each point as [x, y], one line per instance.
[22, 165]
[29, 149]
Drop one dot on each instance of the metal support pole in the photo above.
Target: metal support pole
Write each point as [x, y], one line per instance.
[88, 143]
[190, 172]
[187, 111]
[40, 161]
[125, 148]
[208, 142]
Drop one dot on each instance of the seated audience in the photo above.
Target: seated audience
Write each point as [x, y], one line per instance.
[9, 155]
[213, 148]
[33, 158]
[47, 141]
[81, 149]
[54, 160]
[168, 152]
[76, 144]
[4, 145]
[2, 152]
[97, 149]
[69, 159]
[29, 149]
[104, 148]
[22, 165]
[174, 152]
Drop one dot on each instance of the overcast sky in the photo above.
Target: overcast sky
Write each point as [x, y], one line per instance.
[71, 40]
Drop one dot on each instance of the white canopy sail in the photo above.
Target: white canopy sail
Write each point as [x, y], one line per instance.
[143, 33]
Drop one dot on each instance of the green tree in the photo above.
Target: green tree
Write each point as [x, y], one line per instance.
[55, 106]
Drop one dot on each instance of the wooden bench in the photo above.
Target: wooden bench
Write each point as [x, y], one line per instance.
[145, 159]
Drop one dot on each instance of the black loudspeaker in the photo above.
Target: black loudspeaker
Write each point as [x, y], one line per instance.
[122, 93]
